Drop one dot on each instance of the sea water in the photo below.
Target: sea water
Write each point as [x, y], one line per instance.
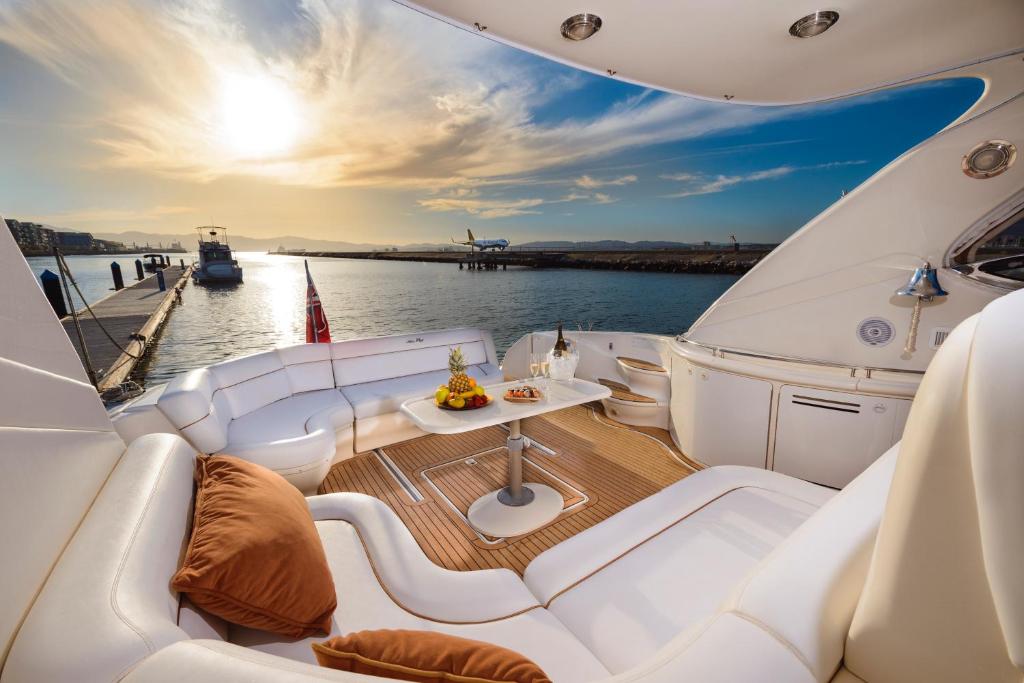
[365, 298]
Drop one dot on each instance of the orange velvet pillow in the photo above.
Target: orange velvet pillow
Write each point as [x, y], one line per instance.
[255, 558]
[426, 657]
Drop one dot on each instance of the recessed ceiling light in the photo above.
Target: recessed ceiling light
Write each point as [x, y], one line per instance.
[814, 24]
[989, 159]
[581, 26]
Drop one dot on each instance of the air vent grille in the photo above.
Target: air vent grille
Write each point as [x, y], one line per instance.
[875, 332]
[938, 336]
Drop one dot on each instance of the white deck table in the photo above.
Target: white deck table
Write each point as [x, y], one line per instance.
[517, 508]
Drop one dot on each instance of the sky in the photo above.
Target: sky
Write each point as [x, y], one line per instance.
[363, 121]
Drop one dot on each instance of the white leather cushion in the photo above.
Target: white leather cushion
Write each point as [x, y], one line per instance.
[288, 417]
[257, 392]
[304, 353]
[199, 623]
[354, 348]
[187, 397]
[378, 366]
[585, 553]
[728, 649]
[210, 434]
[364, 604]
[386, 396]
[237, 370]
[303, 377]
[107, 605]
[308, 367]
[806, 591]
[677, 579]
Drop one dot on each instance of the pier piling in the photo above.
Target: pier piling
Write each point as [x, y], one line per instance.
[161, 283]
[115, 270]
[139, 274]
[51, 288]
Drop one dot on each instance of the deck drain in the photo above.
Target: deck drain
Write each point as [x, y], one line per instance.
[470, 461]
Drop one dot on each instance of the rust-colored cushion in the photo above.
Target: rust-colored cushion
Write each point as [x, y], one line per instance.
[427, 657]
[255, 558]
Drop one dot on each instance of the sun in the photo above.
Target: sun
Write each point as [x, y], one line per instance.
[259, 115]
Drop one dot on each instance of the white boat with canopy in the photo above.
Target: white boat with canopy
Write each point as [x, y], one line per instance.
[818, 481]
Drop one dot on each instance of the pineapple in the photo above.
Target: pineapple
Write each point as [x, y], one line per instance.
[458, 382]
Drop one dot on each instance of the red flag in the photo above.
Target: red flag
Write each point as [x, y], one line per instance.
[316, 322]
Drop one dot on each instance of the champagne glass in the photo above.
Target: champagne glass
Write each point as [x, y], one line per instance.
[536, 361]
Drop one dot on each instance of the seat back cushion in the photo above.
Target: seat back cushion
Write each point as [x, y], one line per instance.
[251, 382]
[426, 655]
[805, 592]
[255, 558]
[308, 367]
[370, 360]
[108, 604]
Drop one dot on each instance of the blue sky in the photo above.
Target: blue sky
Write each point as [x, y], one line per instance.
[360, 120]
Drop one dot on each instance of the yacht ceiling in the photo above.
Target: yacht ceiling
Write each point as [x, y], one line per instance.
[742, 50]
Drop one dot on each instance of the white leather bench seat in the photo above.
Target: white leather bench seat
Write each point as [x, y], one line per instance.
[407, 591]
[630, 585]
[290, 417]
[371, 399]
[299, 409]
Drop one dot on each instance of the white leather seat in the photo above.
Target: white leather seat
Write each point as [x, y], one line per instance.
[631, 584]
[299, 409]
[390, 583]
[372, 399]
[377, 375]
[259, 407]
[290, 417]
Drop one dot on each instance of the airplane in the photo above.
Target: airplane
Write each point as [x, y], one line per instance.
[482, 245]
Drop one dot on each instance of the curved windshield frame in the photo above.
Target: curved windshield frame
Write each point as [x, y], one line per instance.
[996, 255]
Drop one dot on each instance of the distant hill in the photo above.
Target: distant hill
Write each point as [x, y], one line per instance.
[292, 243]
[614, 245]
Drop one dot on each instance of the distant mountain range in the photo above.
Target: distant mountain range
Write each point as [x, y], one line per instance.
[292, 243]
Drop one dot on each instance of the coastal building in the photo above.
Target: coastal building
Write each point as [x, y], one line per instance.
[31, 236]
[77, 240]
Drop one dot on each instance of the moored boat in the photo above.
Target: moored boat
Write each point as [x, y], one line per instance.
[216, 263]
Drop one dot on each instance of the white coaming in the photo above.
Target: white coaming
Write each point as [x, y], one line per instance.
[807, 297]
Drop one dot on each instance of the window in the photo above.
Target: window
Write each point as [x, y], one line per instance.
[997, 257]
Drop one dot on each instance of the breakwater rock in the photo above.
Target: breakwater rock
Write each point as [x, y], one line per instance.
[660, 261]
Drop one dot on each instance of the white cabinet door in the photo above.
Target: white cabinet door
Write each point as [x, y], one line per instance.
[830, 437]
[720, 418]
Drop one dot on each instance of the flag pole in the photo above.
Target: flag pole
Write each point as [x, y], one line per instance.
[309, 304]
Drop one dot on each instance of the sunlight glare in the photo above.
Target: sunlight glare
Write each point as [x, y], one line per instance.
[259, 116]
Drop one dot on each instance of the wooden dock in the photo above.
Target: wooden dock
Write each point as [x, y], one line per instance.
[131, 316]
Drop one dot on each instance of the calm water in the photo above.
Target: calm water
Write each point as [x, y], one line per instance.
[370, 298]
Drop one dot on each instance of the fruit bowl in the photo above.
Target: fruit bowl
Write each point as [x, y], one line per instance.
[468, 406]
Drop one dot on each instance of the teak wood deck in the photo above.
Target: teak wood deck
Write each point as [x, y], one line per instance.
[600, 467]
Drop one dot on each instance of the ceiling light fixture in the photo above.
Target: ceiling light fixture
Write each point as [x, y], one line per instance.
[814, 24]
[581, 26]
[989, 159]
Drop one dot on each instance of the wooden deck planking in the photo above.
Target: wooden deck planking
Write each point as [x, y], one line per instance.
[613, 465]
[624, 393]
[140, 309]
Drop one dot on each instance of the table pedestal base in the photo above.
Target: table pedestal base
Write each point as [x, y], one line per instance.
[491, 517]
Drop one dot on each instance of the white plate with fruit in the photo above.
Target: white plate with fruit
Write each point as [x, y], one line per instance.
[462, 392]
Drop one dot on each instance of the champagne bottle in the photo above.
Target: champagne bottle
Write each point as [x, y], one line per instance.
[560, 346]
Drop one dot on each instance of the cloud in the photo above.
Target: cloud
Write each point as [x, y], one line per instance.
[385, 96]
[696, 184]
[589, 183]
[106, 216]
[482, 208]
